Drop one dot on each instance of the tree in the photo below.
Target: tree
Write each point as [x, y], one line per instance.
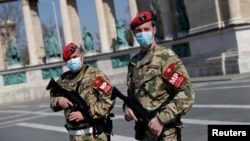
[12, 11]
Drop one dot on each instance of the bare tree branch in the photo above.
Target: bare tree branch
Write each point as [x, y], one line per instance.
[11, 13]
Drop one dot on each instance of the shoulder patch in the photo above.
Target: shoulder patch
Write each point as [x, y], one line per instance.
[102, 85]
[168, 70]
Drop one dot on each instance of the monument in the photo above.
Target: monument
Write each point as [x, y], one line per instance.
[121, 41]
[13, 53]
[88, 41]
[51, 46]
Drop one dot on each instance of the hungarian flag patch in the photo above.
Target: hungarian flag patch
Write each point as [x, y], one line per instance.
[168, 70]
[102, 85]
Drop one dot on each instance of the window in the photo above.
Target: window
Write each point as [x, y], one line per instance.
[182, 50]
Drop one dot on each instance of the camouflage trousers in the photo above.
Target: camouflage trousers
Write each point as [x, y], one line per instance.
[89, 137]
[167, 135]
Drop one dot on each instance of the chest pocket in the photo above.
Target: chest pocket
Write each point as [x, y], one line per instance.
[148, 73]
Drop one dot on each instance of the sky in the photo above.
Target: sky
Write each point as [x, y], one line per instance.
[86, 10]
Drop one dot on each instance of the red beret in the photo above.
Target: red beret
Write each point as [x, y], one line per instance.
[68, 50]
[141, 18]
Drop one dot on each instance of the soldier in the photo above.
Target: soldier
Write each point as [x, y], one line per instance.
[158, 80]
[94, 88]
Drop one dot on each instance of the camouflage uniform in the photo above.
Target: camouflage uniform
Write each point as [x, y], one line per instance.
[99, 102]
[149, 82]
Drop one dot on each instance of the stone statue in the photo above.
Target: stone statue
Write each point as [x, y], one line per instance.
[121, 34]
[51, 46]
[120, 61]
[88, 40]
[12, 53]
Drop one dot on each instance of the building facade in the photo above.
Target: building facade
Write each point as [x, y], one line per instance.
[210, 36]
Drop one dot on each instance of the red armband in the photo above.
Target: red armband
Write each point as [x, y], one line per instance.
[173, 77]
[176, 79]
[102, 85]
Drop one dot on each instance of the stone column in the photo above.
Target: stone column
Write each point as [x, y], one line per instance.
[7, 32]
[110, 18]
[70, 22]
[65, 21]
[195, 15]
[33, 32]
[167, 14]
[38, 30]
[143, 5]
[133, 11]
[101, 21]
[2, 54]
[235, 12]
[75, 22]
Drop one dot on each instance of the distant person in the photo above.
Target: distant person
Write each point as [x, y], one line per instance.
[159, 81]
[94, 88]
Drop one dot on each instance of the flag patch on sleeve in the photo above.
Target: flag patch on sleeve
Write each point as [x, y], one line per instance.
[102, 85]
[169, 70]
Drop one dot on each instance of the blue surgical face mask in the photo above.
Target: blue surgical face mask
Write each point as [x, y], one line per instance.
[75, 64]
[144, 38]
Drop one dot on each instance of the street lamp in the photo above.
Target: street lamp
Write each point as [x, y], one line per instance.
[56, 21]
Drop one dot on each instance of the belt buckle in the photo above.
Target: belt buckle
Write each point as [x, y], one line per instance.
[81, 131]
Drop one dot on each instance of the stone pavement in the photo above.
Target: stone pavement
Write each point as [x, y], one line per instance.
[23, 93]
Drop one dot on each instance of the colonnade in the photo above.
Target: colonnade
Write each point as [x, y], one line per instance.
[106, 19]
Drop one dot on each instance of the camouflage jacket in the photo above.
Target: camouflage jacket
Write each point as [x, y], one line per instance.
[160, 82]
[99, 102]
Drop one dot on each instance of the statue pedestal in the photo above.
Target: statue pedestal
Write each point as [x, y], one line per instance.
[90, 53]
[53, 60]
[14, 66]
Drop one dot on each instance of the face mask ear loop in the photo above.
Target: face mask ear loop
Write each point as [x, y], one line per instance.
[82, 57]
